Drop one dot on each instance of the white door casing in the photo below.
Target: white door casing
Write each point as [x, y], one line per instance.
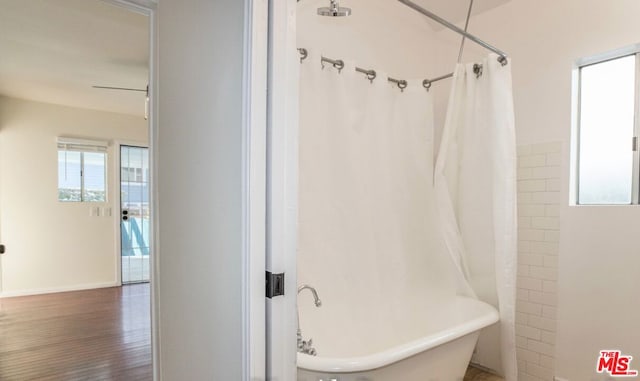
[282, 188]
[149, 8]
[254, 187]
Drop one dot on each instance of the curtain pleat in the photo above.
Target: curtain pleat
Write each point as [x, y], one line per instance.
[475, 186]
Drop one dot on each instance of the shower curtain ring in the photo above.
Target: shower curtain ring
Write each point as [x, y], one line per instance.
[427, 84]
[303, 54]
[402, 85]
[477, 69]
[503, 60]
[339, 64]
[371, 75]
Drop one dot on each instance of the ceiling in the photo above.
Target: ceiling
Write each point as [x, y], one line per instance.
[455, 11]
[54, 51]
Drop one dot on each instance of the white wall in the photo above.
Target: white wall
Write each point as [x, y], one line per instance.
[199, 158]
[598, 245]
[55, 246]
[380, 34]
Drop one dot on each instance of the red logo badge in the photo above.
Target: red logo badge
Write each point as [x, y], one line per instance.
[615, 363]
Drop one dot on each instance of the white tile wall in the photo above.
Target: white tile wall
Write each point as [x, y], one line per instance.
[538, 233]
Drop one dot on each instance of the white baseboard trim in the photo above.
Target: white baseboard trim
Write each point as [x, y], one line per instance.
[39, 291]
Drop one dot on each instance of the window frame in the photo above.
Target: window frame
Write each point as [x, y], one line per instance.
[633, 50]
[82, 175]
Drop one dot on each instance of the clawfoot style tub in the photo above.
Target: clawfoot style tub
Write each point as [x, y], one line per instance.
[438, 347]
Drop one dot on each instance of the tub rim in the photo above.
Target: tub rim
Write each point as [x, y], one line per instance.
[397, 353]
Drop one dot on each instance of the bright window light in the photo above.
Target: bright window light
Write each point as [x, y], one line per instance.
[606, 129]
[82, 176]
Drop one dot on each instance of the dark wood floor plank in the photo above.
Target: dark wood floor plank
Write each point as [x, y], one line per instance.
[92, 335]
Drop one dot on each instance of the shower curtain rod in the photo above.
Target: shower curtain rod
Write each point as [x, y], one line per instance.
[402, 84]
[371, 74]
[445, 23]
[502, 56]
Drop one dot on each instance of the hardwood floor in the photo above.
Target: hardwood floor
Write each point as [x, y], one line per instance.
[92, 335]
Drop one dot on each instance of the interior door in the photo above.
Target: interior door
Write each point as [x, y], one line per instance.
[135, 223]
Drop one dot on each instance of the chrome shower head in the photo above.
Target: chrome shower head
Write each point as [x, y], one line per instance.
[334, 10]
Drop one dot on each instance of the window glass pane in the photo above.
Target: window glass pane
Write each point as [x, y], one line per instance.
[94, 177]
[124, 166]
[145, 165]
[69, 176]
[606, 129]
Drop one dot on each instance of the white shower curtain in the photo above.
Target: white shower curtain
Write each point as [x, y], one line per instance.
[475, 183]
[366, 208]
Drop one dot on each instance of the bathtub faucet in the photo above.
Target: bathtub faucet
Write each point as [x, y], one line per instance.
[304, 346]
[316, 300]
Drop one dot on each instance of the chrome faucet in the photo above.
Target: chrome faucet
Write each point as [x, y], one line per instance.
[316, 300]
[304, 346]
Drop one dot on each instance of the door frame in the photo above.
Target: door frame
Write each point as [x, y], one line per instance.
[149, 9]
[117, 204]
[282, 188]
[254, 172]
[255, 105]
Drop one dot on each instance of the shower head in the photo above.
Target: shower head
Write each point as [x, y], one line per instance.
[334, 10]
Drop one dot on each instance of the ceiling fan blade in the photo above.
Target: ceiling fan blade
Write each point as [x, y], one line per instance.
[119, 88]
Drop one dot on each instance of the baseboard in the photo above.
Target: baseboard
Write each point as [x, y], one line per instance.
[39, 291]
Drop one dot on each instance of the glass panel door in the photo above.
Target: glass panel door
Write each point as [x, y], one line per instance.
[134, 213]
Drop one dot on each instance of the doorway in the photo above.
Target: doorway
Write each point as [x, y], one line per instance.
[135, 222]
[79, 77]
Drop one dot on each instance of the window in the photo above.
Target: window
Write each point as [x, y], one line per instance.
[607, 157]
[81, 172]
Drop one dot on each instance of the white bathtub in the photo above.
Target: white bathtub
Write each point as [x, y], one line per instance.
[437, 346]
